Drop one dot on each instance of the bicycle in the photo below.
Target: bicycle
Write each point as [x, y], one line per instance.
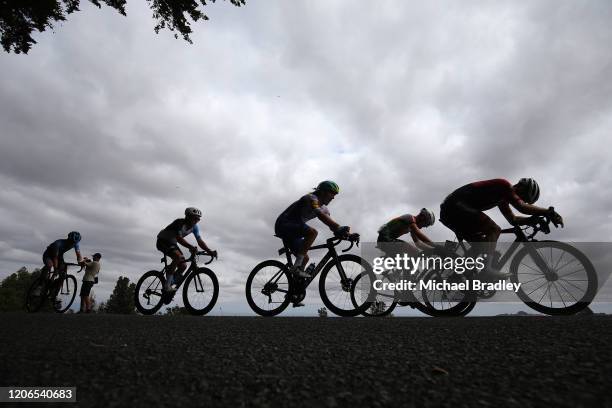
[534, 266]
[271, 286]
[200, 291]
[387, 300]
[59, 288]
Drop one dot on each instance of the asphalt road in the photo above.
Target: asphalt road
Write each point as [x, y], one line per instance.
[138, 361]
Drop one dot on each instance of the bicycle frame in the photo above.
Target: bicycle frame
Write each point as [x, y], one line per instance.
[331, 254]
[192, 267]
[509, 253]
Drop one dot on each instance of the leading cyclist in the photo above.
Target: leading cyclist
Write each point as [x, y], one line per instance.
[462, 212]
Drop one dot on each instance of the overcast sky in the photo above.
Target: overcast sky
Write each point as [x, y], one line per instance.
[112, 130]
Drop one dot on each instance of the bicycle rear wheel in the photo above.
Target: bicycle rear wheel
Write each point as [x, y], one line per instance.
[268, 288]
[148, 296]
[337, 282]
[36, 296]
[200, 291]
[569, 288]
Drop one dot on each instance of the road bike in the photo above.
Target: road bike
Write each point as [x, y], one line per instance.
[59, 288]
[271, 286]
[200, 289]
[555, 278]
[387, 300]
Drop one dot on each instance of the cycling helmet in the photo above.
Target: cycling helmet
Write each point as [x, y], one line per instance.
[192, 212]
[74, 236]
[528, 190]
[428, 216]
[328, 185]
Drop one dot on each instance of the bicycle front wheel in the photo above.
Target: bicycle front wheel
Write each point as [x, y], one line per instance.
[200, 291]
[338, 280]
[66, 294]
[268, 288]
[443, 302]
[569, 285]
[385, 301]
[148, 295]
[37, 294]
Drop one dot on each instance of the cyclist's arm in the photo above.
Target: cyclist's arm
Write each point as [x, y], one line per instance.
[420, 239]
[203, 245]
[327, 220]
[78, 256]
[184, 243]
[524, 208]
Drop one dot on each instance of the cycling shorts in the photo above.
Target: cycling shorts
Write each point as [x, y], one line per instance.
[462, 219]
[167, 248]
[291, 232]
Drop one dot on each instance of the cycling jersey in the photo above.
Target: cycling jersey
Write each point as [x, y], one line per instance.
[304, 209]
[60, 247]
[291, 224]
[483, 195]
[396, 227]
[462, 210]
[178, 228]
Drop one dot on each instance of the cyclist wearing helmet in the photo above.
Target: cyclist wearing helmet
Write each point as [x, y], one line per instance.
[407, 223]
[462, 210]
[174, 234]
[53, 257]
[291, 225]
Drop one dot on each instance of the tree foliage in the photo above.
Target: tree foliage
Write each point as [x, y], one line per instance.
[13, 289]
[19, 18]
[122, 299]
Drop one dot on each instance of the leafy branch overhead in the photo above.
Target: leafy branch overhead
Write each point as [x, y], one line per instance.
[20, 18]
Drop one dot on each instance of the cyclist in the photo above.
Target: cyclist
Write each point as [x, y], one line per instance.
[53, 257]
[291, 225]
[174, 234]
[462, 212]
[404, 224]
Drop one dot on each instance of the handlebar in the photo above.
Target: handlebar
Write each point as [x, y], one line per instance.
[74, 264]
[195, 254]
[539, 224]
[352, 238]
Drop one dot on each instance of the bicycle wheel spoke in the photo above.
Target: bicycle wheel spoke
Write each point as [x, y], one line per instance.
[571, 273]
[532, 280]
[537, 288]
[567, 291]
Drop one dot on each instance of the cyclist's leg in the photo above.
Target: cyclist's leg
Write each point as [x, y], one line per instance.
[299, 238]
[178, 260]
[47, 266]
[474, 226]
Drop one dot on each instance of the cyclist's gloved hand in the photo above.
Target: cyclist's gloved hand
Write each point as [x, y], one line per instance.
[342, 232]
[554, 217]
[214, 254]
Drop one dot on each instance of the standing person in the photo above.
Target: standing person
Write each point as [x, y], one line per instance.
[92, 268]
[174, 234]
